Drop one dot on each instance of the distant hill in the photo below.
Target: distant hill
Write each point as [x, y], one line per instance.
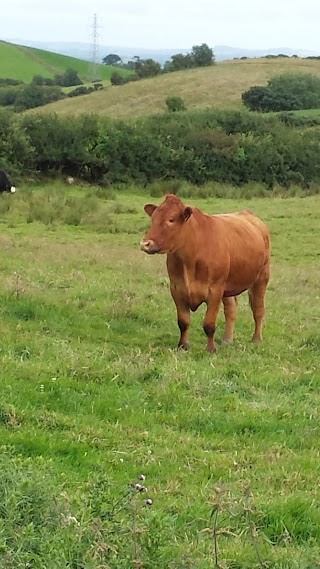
[222, 52]
[83, 50]
[22, 63]
[217, 87]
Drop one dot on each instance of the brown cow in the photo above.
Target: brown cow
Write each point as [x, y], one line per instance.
[210, 259]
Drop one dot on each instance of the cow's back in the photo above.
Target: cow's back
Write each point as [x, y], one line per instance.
[244, 230]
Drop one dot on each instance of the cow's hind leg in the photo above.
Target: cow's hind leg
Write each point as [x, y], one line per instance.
[209, 323]
[230, 305]
[257, 304]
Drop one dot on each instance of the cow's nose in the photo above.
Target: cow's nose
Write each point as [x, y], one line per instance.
[145, 244]
[149, 246]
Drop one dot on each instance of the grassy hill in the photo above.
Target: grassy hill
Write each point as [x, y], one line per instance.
[19, 62]
[220, 86]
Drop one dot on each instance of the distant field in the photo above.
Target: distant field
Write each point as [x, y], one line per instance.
[220, 86]
[18, 62]
[15, 63]
[94, 393]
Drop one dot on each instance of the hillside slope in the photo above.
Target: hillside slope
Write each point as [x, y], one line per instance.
[219, 86]
[22, 63]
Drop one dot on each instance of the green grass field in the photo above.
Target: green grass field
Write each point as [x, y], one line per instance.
[94, 393]
[19, 62]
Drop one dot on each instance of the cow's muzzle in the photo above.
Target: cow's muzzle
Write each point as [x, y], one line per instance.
[149, 246]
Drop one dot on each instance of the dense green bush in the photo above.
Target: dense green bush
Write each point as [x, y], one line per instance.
[117, 78]
[8, 96]
[286, 92]
[36, 96]
[24, 97]
[41, 90]
[198, 147]
[69, 78]
[147, 68]
[16, 152]
[40, 81]
[5, 82]
[82, 90]
[175, 104]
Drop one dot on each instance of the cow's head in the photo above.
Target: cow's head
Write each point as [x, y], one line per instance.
[168, 226]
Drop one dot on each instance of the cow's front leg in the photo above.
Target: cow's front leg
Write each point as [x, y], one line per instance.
[209, 323]
[183, 315]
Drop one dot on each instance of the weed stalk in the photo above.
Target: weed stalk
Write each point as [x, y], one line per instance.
[252, 528]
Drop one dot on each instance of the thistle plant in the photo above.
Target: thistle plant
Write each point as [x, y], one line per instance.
[137, 489]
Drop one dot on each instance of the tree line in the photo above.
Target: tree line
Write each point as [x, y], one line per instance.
[200, 56]
[20, 96]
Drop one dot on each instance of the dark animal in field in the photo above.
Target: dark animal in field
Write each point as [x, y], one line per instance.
[5, 184]
[211, 259]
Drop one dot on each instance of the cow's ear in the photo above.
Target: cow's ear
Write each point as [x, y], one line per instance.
[187, 212]
[149, 208]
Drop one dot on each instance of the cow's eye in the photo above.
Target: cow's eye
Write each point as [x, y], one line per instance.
[171, 220]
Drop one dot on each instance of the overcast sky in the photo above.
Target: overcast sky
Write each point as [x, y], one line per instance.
[167, 23]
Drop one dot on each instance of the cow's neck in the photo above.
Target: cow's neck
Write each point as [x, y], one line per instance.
[189, 250]
[187, 254]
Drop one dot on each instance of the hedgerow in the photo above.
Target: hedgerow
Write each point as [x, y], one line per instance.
[198, 147]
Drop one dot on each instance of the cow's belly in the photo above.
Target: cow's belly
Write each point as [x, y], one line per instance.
[240, 281]
[233, 292]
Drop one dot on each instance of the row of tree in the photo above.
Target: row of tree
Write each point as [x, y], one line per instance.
[69, 78]
[231, 147]
[41, 91]
[200, 56]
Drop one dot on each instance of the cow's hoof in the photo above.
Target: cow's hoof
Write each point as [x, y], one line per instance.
[256, 339]
[226, 342]
[184, 346]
